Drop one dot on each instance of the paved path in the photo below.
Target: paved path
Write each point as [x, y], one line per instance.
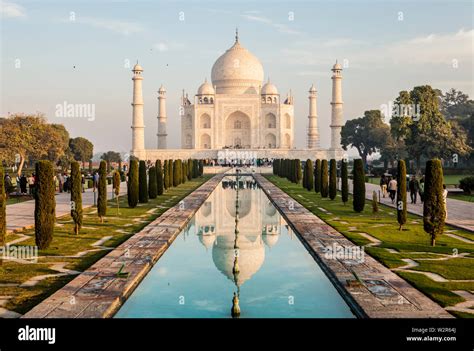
[22, 215]
[460, 213]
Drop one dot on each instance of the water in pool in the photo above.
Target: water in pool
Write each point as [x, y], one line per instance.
[216, 263]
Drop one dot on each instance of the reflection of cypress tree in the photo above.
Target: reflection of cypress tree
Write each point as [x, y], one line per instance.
[434, 213]
[401, 193]
[159, 177]
[3, 208]
[76, 196]
[152, 186]
[358, 197]
[324, 178]
[332, 179]
[344, 182]
[102, 190]
[142, 183]
[317, 176]
[132, 186]
[45, 204]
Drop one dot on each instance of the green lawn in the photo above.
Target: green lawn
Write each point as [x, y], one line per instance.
[448, 179]
[118, 227]
[18, 199]
[412, 242]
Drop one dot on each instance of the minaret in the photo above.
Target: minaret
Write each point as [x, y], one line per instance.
[138, 128]
[313, 134]
[162, 118]
[336, 107]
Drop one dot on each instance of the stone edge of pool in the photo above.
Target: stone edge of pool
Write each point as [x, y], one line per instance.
[98, 292]
[397, 299]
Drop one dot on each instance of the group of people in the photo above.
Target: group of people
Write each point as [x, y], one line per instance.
[63, 183]
[22, 184]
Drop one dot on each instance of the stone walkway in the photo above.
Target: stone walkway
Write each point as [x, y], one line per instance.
[99, 292]
[460, 213]
[22, 215]
[370, 289]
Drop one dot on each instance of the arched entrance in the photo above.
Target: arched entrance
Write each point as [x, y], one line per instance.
[237, 130]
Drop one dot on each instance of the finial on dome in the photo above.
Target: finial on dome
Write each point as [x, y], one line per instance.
[236, 35]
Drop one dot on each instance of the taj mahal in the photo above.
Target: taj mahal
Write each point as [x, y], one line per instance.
[237, 110]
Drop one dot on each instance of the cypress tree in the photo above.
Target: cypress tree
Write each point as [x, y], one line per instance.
[45, 204]
[344, 182]
[132, 186]
[298, 173]
[309, 174]
[434, 212]
[3, 207]
[189, 167]
[184, 171]
[332, 179]
[176, 173]
[102, 195]
[171, 172]
[317, 176]
[142, 183]
[195, 168]
[324, 179]
[166, 175]
[152, 186]
[76, 196]
[159, 177]
[201, 167]
[401, 193]
[358, 200]
[116, 185]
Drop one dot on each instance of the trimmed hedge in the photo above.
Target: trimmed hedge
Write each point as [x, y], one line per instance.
[76, 196]
[434, 213]
[324, 179]
[332, 179]
[401, 193]
[159, 177]
[45, 204]
[358, 201]
[317, 176]
[166, 175]
[102, 188]
[132, 186]
[171, 172]
[152, 186]
[308, 171]
[344, 182]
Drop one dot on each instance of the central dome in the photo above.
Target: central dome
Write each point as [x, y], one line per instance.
[237, 71]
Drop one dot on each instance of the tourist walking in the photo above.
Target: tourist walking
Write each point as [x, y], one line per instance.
[445, 201]
[414, 187]
[392, 189]
[422, 188]
[23, 183]
[31, 183]
[383, 185]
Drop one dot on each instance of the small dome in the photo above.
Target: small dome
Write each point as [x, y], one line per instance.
[162, 89]
[337, 66]
[137, 67]
[269, 89]
[312, 89]
[206, 88]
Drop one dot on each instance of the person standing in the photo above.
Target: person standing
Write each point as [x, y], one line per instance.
[422, 188]
[414, 187]
[383, 185]
[23, 183]
[392, 189]
[445, 201]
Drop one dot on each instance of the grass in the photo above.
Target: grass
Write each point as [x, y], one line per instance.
[461, 196]
[65, 243]
[17, 199]
[412, 242]
[451, 179]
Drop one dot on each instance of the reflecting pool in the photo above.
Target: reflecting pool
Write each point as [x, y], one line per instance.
[219, 265]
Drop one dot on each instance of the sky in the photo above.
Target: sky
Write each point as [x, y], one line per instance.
[81, 52]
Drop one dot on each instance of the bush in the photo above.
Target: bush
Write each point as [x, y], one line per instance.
[434, 213]
[401, 193]
[171, 172]
[344, 182]
[176, 172]
[102, 188]
[184, 172]
[467, 184]
[159, 177]
[152, 186]
[324, 179]
[166, 175]
[298, 173]
[358, 201]
[317, 176]
[142, 183]
[201, 167]
[332, 179]
[308, 170]
[45, 204]
[3, 207]
[189, 168]
[76, 196]
[132, 186]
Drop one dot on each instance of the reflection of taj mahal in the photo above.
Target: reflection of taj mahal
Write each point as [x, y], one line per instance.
[237, 110]
[260, 224]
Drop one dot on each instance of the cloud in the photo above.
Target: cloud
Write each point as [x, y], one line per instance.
[164, 46]
[282, 28]
[121, 27]
[11, 10]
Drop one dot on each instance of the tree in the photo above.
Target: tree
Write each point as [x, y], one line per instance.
[45, 204]
[401, 193]
[102, 188]
[3, 207]
[298, 174]
[358, 201]
[184, 171]
[166, 175]
[116, 185]
[152, 186]
[317, 176]
[434, 211]
[344, 182]
[190, 169]
[308, 170]
[176, 172]
[111, 156]
[132, 186]
[171, 172]
[82, 149]
[367, 134]
[324, 178]
[332, 179]
[142, 183]
[76, 196]
[201, 167]
[455, 104]
[195, 168]
[159, 177]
